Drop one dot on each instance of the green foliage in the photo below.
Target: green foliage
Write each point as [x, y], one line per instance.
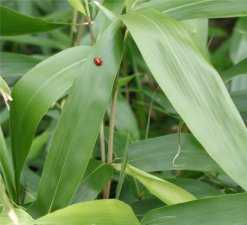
[155, 89]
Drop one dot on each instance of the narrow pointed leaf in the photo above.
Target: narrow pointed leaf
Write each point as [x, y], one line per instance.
[35, 93]
[74, 139]
[194, 88]
[166, 191]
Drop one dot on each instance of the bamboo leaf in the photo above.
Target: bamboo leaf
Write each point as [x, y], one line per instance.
[74, 139]
[194, 88]
[15, 23]
[166, 191]
[222, 210]
[35, 93]
[189, 9]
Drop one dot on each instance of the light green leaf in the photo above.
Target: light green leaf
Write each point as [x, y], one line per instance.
[189, 9]
[77, 5]
[77, 130]
[15, 23]
[101, 212]
[35, 93]
[166, 191]
[194, 88]
[226, 209]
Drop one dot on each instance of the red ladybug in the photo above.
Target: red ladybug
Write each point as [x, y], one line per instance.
[98, 61]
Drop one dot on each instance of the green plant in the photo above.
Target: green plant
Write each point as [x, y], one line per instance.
[88, 122]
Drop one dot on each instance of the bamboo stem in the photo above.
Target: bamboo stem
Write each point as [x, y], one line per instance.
[106, 193]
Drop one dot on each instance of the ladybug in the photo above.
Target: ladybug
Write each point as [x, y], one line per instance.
[98, 61]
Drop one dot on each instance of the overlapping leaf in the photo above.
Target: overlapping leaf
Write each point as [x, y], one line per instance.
[194, 88]
[74, 139]
[36, 92]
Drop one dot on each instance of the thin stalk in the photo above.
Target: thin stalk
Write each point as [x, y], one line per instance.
[102, 143]
[123, 167]
[149, 119]
[106, 193]
[73, 30]
[112, 125]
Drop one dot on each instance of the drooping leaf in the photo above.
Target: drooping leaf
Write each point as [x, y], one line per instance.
[166, 191]
[101, 212]
[14, 23]
[35, 93]
[189, 9]
[77, 130]
[222, 210]
[194, 88]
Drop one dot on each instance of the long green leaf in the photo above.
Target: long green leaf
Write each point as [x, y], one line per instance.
[166, 191]
[14, 23]
[189, 9]
[102, 212]
[226, 209]
[158, 154]
[194, 88]
[77, 130]
[38, 90]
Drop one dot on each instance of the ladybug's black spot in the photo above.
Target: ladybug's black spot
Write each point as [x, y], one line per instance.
[98, 61]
